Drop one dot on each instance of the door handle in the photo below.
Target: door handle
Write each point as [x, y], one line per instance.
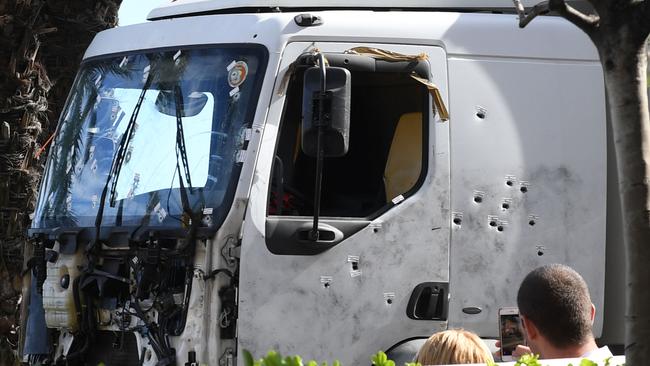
[327, 234]
[429, 301]
[286, 235]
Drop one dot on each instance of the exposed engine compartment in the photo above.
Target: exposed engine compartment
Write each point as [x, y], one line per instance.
[121, 302]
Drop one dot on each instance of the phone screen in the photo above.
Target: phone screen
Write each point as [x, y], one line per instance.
[511, 334]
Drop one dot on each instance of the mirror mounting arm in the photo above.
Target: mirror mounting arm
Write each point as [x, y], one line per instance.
[314, 234]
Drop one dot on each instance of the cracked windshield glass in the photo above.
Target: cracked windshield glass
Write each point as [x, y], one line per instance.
[146, 137]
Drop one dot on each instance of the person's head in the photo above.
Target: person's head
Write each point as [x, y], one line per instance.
[555, 308]
[453, 347]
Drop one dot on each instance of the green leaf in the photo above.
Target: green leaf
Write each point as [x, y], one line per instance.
[586, 362]
[336, 363]
[273, 359]
[248, 358]
[293, 361]
[528, 360]
[379, 359]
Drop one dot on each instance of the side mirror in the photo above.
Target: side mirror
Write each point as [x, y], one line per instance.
[193, 103]
[336, 113]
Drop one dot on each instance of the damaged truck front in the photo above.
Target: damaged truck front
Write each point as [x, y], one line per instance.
[142, 173]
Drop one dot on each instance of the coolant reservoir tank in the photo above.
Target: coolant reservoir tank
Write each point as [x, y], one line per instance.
[58, 296]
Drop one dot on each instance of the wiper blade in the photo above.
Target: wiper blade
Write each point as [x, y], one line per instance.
[180, 149]
[118, 159]
[180, 136]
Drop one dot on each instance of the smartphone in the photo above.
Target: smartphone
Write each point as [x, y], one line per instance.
[510, 332]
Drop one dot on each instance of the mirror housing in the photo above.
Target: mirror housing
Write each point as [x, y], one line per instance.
[193, 103]
[336, 121]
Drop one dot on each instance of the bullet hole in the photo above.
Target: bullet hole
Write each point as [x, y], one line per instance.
[505, 205]
[523, 189]
[326, 285]
[389, 301]
[346, 61]
[65, 281]
[481, 112]
[457, 220]
[355, 266]
[509, 183]
[493, 223]
[255, 35]
[500, 228]
[478, 199]
[540, 253]
[375, 230]
[531, 222]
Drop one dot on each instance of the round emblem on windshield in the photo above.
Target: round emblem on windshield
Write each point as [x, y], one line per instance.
[237, 74]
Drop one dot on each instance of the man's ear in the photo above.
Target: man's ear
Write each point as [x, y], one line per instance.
[593, 313]
[531, 329]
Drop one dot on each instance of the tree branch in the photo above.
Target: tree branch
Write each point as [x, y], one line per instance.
[587, 23]
[524, 19]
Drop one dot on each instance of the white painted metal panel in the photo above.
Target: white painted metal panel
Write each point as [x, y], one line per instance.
[182, 7]
[458, 33]
[544, 129]
[283, 304]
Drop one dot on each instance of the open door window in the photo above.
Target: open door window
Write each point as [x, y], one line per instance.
[385, 163]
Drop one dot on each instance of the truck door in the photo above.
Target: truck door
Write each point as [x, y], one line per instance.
[379, 273]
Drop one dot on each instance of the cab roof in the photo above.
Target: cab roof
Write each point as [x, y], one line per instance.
[179, 8]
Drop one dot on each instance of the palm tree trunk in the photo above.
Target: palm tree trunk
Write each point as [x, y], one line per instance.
[41, 45]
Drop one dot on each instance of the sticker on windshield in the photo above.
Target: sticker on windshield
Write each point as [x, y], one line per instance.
[162, 214]
[237, 73]
[176, 58]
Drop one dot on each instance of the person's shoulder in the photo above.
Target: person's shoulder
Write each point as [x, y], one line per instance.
[599, 354]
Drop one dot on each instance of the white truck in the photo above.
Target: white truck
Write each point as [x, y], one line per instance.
[329, 178]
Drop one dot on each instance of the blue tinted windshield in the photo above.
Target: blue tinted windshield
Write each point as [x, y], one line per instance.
[208, 94]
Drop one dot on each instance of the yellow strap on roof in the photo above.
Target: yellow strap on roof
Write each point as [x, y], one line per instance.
[376, 53]
[386, 55]
[437, 97]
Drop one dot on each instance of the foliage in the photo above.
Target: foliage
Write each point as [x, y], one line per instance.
[528, 360]
[380, 359]
[274, 358]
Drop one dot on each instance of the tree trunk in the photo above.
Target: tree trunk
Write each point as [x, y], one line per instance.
[41, 45]
[625, 67]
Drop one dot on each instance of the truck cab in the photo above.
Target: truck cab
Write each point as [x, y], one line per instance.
[175, 220]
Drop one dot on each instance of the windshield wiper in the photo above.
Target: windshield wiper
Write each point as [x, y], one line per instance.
[118, 159]
[180, 136]
[180, 149]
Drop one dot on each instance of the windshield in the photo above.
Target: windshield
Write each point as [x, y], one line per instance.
[180, 118]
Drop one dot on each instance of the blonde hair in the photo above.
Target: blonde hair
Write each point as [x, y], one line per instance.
[453, 347]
